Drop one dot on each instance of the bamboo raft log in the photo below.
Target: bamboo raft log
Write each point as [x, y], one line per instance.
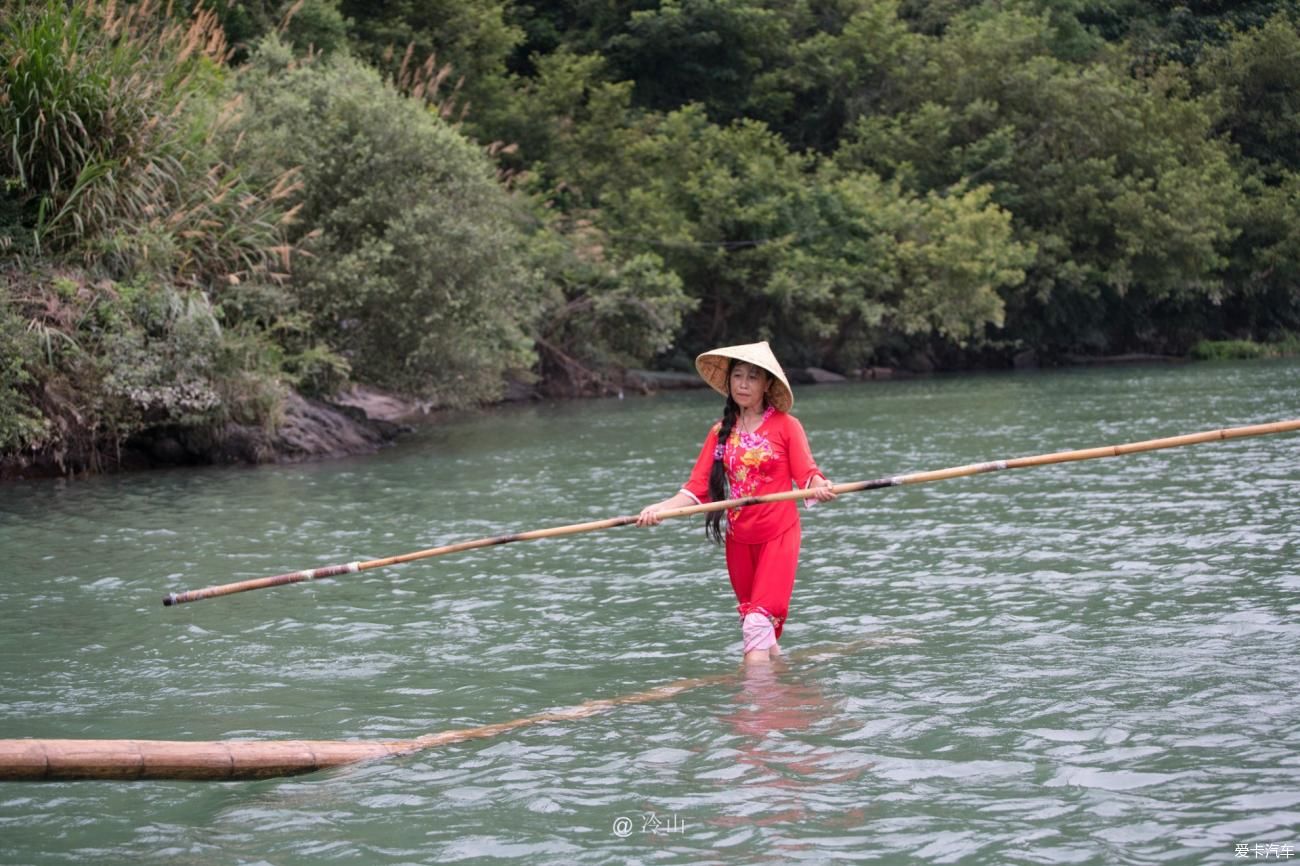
[31, 760]
[37, 760]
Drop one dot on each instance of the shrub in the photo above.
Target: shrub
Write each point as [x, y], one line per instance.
[417, 264]
[1242, 350]
[21, 424]
[148, 289]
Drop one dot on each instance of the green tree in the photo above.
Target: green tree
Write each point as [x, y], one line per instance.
[606, 306]
[1256, 80]
[601, 316]
[840, 69]
[1116, 181]
[705, 51]
[473, 41]
[1181, 32]
[21, 424]
[1264, 301]
[1253, 82]
[720, 204]
[890, 271]
[578, 133]
[416, 264]
[833, 267]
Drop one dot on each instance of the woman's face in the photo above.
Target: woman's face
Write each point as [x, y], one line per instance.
[748, 385]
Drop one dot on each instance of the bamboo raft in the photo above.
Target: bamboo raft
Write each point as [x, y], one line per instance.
[33, 760]
[37, 760]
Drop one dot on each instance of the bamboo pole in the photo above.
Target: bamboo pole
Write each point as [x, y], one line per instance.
[851, 487]
[32, 760]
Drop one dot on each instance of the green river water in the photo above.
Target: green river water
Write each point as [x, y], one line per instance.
[1089, 663]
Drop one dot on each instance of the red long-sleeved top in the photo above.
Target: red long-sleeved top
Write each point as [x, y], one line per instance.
[774, 458]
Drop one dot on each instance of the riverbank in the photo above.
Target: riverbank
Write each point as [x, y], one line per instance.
[363, 420]
[358, 421]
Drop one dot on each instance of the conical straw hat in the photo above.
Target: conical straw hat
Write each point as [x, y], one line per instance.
[714, 363]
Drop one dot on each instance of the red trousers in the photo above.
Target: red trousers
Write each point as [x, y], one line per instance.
[762, 575]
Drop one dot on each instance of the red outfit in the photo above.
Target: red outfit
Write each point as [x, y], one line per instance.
[762, 540]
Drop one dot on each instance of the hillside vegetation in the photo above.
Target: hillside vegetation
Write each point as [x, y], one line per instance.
[205, 210]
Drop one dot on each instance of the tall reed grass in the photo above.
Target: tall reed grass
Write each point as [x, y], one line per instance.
[108, 117]
[147, 284]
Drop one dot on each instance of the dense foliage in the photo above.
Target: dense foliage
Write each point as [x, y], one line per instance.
[411, 258]
[202, 210]
[145, 280]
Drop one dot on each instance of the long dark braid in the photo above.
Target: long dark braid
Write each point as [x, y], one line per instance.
[718, 475]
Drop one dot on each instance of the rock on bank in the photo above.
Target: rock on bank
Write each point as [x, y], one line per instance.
[359, 421]
[311, 430]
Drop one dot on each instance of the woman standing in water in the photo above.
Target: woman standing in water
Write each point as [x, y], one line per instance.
[757, 448]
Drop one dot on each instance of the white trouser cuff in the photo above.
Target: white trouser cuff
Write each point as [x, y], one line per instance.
[758, 632]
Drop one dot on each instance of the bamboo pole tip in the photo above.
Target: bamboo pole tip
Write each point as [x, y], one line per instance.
[169, 599]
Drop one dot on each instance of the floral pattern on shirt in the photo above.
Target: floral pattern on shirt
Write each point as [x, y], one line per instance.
[747, 456]
[779, 459]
